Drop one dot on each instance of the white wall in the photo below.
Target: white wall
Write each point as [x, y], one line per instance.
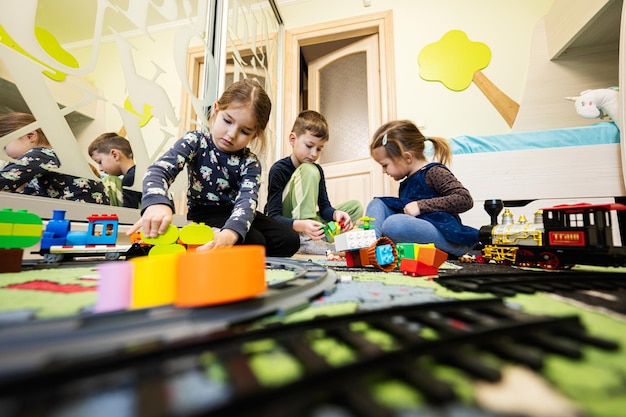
[506, 27]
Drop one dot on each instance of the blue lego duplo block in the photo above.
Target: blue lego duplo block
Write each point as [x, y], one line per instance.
[384, 254]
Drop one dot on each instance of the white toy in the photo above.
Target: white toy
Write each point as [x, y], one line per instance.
[599, 103]
[354, 240]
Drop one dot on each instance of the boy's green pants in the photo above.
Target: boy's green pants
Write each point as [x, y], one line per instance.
[301, 193]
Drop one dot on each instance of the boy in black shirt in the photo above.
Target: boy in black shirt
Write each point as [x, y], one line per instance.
[297, 193]
[114, 156]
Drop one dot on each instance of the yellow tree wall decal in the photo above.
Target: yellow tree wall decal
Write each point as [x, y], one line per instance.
[455, 61]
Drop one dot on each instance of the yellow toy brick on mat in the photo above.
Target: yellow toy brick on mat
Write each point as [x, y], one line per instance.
[154, 281]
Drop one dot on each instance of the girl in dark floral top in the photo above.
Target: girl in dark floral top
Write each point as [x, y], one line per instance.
[223, 175]
[36, 170]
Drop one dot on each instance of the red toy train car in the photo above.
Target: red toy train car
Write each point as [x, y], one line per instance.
[559, 237]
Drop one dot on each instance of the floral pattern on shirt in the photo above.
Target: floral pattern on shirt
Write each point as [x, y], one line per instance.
[215, 179]
[36, 173]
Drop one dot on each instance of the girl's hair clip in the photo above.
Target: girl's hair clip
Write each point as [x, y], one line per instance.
[384, 140]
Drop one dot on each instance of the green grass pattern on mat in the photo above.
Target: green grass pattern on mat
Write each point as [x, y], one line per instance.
[597, 383]
[47, 304]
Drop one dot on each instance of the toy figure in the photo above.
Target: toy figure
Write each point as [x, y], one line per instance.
[598, 103]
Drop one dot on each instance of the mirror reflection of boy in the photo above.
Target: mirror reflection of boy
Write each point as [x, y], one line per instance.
[297, 193]
[114, 157]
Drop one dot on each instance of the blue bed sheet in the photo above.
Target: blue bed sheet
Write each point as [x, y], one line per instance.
[596, 134]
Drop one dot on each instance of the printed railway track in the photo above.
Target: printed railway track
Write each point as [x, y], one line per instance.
[28, 347]
[298, 369]
[606, 290]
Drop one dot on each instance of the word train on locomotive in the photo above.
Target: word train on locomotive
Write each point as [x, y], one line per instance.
[559, 237]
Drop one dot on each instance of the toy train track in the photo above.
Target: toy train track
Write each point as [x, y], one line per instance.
[28, 347]
[506, 285]
[331, 363]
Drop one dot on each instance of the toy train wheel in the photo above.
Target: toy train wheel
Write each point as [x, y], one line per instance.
[137, 250]
[53, 258]
[481, 259]
[525, 258]
[548, 261]
[112, 256]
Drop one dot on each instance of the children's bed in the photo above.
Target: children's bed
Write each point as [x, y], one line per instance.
[556, 166]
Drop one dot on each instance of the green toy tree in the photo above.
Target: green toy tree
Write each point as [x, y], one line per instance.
[18, 230]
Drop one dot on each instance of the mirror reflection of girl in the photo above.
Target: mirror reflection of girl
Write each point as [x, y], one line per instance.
[223, 175]
[36, 169]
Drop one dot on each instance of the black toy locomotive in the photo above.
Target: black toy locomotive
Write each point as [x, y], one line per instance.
[559, 237]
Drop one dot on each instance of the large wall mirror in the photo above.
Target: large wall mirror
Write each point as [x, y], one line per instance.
[148, 69]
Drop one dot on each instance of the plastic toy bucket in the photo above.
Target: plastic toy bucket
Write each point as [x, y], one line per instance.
[220, 275]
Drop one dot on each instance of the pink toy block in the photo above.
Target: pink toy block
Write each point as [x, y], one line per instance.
[114, 286]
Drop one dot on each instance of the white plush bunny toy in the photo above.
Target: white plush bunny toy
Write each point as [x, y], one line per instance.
[599, 103]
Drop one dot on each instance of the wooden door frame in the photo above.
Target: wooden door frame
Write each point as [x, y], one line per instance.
[367, 45]
[377, 23]
[195, 61]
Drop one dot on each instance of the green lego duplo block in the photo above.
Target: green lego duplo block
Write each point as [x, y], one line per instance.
[19, 229]
[406, 250]
[331, 229]
[411, 250]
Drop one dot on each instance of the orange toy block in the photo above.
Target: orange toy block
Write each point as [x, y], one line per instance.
[427, 263]
[432, 256]
[221, 275]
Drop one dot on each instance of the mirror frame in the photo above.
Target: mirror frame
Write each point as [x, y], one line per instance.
[193, 100]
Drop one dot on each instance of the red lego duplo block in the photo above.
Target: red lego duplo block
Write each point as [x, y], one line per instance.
[357, 257]
[353, 258]
[416, 268]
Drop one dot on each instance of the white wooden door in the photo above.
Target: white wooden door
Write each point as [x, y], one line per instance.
[344, 86]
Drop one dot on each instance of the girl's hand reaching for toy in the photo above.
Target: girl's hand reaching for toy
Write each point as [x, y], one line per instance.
[225, 238]
[412, 209]
[154, 221]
